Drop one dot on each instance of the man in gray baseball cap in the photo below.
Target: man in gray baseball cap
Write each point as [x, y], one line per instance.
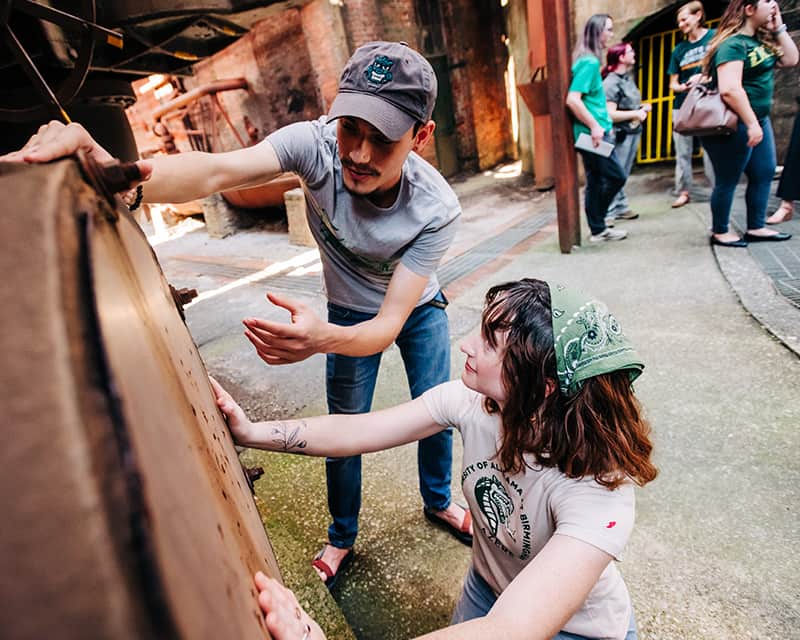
[389, 85]
[383, 218]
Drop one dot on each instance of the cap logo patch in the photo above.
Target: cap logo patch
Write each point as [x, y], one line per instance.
[380, 71]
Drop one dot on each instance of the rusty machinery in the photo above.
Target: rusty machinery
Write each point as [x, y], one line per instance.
[545, 96]
[76, 58]
[126, 513]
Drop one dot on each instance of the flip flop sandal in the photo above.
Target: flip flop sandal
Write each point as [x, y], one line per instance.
[461, 533]
[331, 575]
[683, 199]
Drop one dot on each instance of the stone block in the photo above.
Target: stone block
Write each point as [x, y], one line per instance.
[221, 219]
[299, 232]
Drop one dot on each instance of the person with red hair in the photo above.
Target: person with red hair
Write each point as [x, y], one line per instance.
[625, 108]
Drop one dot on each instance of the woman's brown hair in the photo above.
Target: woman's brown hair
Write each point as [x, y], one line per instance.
[599, 431]
[730, 24]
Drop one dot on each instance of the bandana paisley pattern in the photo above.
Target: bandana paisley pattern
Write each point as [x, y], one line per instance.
[588, 339]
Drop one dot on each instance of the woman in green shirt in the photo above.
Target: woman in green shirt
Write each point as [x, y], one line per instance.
[587, 101]
[751, 41]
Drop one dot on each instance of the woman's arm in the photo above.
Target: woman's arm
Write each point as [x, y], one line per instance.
[580, 111]
[331, 435]
[622, 115]
[789, 57]
[548, 591]
[535, 606]
[677, 87]
[729, 81]
[683, 87]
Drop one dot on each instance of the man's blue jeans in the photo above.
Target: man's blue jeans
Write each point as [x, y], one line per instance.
[477, 598]
[424, 343]
[731, 157]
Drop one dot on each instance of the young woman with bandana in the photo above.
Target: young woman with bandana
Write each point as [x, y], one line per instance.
[554, 443]
[751, 41]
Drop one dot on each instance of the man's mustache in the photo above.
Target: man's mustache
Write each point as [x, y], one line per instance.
[346, 162]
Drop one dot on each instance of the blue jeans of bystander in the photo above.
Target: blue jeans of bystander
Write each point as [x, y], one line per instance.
[683, 147]
[626, 154]
[731, 157]
[424, 343]
[604, 177]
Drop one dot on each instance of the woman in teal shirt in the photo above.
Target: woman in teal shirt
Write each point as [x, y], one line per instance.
[587, 101]
[751, 41]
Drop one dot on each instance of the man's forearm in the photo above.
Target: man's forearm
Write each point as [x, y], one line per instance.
[363, 339]
[181, 177]
[193, 175]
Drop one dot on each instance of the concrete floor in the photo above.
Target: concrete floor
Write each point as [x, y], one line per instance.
[714, 552]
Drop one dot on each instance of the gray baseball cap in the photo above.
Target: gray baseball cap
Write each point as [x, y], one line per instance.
[389, 85]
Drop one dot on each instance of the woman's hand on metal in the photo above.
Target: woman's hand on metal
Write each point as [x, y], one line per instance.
[284, 616]
[238, 423]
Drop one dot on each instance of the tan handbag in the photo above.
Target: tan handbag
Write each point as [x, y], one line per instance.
[704, 113]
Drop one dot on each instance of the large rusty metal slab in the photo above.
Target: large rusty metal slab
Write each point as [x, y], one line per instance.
[125, 511]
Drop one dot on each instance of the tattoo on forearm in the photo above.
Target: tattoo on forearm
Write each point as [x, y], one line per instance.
[288, 436]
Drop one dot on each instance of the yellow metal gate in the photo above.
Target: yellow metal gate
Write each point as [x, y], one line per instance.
[653, 56]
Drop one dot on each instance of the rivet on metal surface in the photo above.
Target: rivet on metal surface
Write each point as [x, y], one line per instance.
[182, 297]
[252, 474]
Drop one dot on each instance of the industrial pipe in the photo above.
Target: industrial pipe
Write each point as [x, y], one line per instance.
[211, 88]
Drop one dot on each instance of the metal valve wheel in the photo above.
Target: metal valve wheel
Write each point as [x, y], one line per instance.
[48, 53]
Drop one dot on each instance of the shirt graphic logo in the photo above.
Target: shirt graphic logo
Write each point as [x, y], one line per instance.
[380, 71]
[495, 504]
[758, 55]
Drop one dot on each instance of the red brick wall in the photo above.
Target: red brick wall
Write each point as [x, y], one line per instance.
[363, 22]
[473, 32]
[274, 60]
[399, 20]
[327, 46]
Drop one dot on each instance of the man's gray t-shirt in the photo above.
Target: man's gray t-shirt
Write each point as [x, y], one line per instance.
[361, 244]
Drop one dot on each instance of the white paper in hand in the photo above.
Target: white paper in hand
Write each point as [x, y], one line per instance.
[584, 142]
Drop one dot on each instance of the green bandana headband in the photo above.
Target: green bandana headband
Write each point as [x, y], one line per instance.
[588, 340]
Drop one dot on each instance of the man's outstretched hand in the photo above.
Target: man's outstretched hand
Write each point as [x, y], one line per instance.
[57, 140]
[281, 343]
